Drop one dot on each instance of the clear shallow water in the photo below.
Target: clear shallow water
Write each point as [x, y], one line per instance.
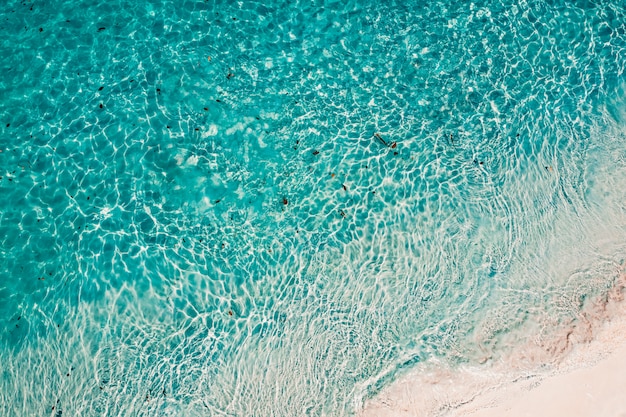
[198, 218]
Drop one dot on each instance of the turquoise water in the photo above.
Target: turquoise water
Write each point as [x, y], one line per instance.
[251, 209]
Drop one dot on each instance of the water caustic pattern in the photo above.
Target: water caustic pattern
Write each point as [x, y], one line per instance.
[251, 209]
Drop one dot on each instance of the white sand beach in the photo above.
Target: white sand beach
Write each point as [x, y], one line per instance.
[597, 390]
[587, 379]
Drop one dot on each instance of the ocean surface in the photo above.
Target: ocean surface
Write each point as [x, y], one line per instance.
[263, 208]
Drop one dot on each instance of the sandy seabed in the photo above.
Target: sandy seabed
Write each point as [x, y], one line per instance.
[582, 373]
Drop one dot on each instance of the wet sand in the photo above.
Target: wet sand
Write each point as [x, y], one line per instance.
[598, 390]
[586, 377]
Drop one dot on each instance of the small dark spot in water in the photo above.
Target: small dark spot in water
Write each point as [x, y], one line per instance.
[285, 202]
[196, 129]
[10, 179]
[344, 187]
[101, 29]
[257, 118]
[100, 105]
[341, 212]
[88, 197]
[8, 124]
[168, 127]
[19, 317]
[159, 91]
[40, 29]
[481, 163]
[132, 81]
[184, 240]
[100, 89]
[230, 313]
[517, 136]
[234, 18]
[395, 153]
[316, 152]
[373, 192]
[218, 100]
[164, 394]
[206, 109]
[393, 145]
[230, 75]
[68, 374]
[218, 200]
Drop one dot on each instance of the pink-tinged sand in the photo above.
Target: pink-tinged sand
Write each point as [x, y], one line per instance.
[596, 391]
[587, 377]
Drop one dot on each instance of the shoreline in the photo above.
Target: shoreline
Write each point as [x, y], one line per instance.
[580, 373]
[592, 390]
